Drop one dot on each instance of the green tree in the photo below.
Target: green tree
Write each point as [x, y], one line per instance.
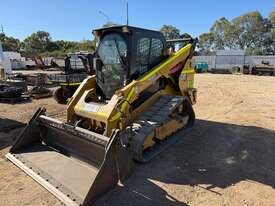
[267, 44]
[250, 29]
[185, 35]
[224, 34]
[9, 43]
[37, 43]
[87, 45]
[170, 32]
[250, 32]
[66, 45]
[270, 42]
[272, 18]
[206, 43]
[53, 46]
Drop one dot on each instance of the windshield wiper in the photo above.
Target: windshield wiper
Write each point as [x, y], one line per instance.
[119, 54]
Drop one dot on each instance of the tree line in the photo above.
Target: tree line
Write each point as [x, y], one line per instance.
[41, 43]
[250, 32]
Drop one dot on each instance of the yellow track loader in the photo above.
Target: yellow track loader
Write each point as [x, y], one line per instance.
[128, 112]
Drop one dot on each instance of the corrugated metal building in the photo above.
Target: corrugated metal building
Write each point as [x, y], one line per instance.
[226, 59]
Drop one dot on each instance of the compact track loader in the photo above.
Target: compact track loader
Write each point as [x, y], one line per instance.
[77, 67]
[129, 111]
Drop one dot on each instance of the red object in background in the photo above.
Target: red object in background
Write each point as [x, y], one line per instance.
[176, 68]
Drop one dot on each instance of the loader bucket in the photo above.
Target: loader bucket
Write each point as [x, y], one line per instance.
[74, 164]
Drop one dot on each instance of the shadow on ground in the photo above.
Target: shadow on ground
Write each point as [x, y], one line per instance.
[213, 153]
[8, 131]
[6, 125]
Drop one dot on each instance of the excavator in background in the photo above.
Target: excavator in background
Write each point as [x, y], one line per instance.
[77, 67]
[138, 103]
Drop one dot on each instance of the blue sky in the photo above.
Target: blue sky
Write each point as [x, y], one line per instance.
[74, 19]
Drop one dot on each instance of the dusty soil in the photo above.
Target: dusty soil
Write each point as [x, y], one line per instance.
[227, 159]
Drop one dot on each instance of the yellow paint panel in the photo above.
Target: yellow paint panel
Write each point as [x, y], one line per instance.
[69, 84]
[188, 71]
[190, 84]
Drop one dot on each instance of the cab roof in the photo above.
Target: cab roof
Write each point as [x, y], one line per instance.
[123, 28]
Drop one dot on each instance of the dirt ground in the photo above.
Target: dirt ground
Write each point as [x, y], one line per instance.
[227, 159]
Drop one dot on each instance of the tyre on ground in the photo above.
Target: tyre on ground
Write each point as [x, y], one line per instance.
[61, 95]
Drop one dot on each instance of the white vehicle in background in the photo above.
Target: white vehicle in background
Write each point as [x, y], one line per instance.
[13, 60]
[29, 63]
[4, 62]
[19, 62]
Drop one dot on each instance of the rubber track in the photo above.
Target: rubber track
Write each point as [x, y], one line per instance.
[157, 114]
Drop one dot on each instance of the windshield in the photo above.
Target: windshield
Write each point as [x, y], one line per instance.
[112, 51]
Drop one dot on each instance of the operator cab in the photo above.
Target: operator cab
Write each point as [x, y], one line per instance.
[125, 53]
[79, 62]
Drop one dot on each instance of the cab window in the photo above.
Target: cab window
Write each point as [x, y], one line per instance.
[149, 54]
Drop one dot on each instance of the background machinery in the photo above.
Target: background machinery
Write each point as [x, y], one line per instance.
[264, 68]
[201, 67]
[137, 104]
[77, 67]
